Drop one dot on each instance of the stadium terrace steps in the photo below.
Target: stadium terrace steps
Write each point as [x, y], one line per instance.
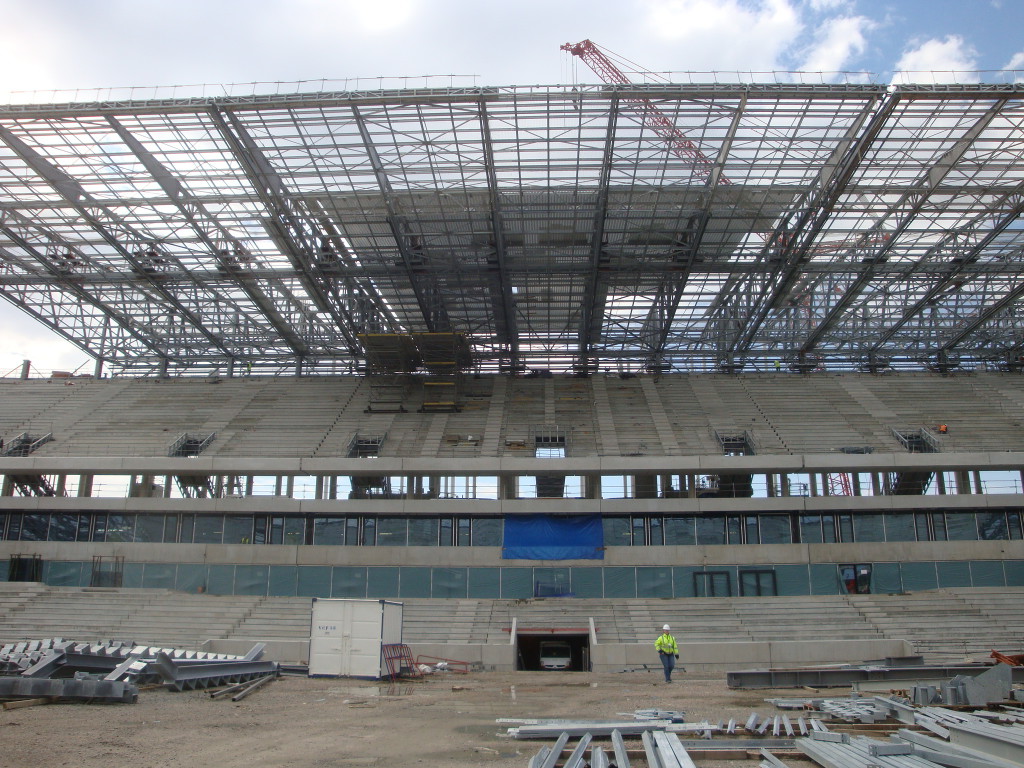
[605, 414]
[943, 624]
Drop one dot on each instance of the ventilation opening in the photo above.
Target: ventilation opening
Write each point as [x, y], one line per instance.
[365, 446]
[917, 440]
[553, 651]
[24, 444]
[189, 444]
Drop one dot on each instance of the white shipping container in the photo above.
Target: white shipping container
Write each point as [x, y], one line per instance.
[345, 637]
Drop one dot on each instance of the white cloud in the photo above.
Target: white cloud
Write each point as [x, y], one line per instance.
[726, 34]
[839, 40]
[1017, 62]
[948, 60]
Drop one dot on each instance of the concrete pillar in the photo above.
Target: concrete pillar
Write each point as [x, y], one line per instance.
[97, 369]
[963, 481]
[85, 486]
[231, 368]
[26, 366]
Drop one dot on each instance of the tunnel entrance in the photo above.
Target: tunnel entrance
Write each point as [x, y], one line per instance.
[567, 651]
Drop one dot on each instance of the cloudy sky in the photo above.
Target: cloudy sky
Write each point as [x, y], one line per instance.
[61, 45]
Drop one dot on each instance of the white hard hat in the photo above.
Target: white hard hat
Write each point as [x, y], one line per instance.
[666, 627]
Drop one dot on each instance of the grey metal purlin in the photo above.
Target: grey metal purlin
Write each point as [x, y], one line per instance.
[181, 675]
[819, 677]
[841, 226]
[105, 691]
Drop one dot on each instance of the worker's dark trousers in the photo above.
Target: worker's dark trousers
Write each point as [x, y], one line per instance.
[668, 661]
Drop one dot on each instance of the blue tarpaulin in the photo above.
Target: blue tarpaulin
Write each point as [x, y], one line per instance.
[547, 537]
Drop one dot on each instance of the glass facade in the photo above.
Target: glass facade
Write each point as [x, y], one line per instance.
[465, 531]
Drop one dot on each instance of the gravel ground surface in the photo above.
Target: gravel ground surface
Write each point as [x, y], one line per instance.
[445, 719]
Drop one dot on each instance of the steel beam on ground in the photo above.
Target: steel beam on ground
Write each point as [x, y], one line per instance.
[107, 691]
[842, 676]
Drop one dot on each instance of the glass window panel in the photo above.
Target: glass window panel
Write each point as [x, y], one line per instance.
[413, 582]
[620, 582]
[587, 582]
[992, 526]
[680, 530]
[710, 530]
[775, 529]
[463, 531]
[392, 532]
[484, 583]
[516, 583]
[810, 529]
[63, 528]
[868, 528]
[14, 527]
[132, 576]
[423, 531]
[352, 531]
[84, 528]
[369, 538]
[638, 538]
[752, 529]
[846, 528]
[238, 530]
[487, 532]
[921, 526]
[170, 532]
[447, 582]
[190, 578]
[329, 530]
[792, 579]
[3, 525]
[220, 579]
[446, 532]
[383, 582]
[251, 579]
[919, 576]
[1013, 521]
[282, 581]
[158, 575]
[953, 574]
[962, 526]
[734, 530]
[657, 532]
[294, 531]
[900, 528]
[616, 531]
[315, 581]
[828, 528]
[121, 527]
[259, 529]
[188, 529]
[987, 573]
[33, 527]
[654, 582]
[149, 528]
[348, 581]
[61, 573]
[209, 529]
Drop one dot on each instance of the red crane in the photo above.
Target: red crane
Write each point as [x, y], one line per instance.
[651, 116]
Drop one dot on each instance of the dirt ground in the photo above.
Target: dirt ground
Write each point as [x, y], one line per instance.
[447, 719]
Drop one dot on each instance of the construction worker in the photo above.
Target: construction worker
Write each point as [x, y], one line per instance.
[668, 652]
[943, 429]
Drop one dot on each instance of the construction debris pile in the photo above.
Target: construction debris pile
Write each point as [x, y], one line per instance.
[112, 671]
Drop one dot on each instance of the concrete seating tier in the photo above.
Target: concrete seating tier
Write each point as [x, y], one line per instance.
[603, 415]
[943, 625]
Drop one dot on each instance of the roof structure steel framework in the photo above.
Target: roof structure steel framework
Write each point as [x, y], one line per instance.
[860, 225]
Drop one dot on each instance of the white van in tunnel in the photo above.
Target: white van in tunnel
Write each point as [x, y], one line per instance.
[555, 654]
